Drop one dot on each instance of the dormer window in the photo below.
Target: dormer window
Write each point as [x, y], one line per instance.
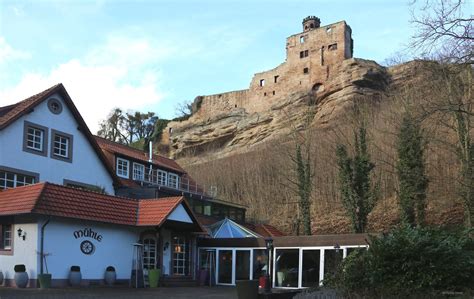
[122, 168]
[162, 178]
[138, 172]
[173, 180]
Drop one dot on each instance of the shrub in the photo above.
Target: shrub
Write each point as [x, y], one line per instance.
[20, 268]
[110, 268]
[75, 269]
[409, 261]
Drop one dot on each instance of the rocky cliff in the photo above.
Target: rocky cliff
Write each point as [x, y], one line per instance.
[238, 131]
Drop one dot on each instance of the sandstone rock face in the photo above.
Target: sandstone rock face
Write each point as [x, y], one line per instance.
[238, 130]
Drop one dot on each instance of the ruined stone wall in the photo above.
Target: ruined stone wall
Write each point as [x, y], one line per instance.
[310, 57]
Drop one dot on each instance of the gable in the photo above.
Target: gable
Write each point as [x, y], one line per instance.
[88, 162]
[180, 214]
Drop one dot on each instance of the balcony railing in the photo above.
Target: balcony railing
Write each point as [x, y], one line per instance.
[154, 177]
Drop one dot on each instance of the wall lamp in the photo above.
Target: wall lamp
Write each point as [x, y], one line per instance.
[21, 234]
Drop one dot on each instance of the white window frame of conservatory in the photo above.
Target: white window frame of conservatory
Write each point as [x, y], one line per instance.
[300, 261]
[234, 254]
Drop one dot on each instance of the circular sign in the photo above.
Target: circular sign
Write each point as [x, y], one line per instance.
[87, 247]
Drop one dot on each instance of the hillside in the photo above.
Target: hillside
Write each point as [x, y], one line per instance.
[248, 155]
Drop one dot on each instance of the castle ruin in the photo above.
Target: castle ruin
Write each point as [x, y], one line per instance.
[311, 55]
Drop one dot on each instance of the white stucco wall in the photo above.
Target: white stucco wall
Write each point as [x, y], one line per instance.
[115, 249]
[86, 167]
[24, 251]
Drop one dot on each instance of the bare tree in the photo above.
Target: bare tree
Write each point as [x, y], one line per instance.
[444, 30]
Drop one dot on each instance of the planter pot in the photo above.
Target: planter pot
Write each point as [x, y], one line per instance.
[154, 277]
[44, 281]
[110, 277]
[75, 279]
[1, 278]
[21, 279]
[247, 289]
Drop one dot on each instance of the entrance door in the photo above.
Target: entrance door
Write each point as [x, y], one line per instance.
[181, 256]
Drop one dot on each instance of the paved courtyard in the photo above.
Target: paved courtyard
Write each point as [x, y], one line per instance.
[119, 293]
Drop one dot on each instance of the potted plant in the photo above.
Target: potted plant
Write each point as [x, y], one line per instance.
[75, 276]
[110, 276]
[154, 277]
[44, 280]
[247, 289]
[21, 277]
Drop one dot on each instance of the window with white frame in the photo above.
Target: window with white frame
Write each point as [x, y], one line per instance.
[122, 168]
[173, 180]
[6, 237]
[138, 172]
[12, 180]
[162, 177]
[34, 138]
[61, 146]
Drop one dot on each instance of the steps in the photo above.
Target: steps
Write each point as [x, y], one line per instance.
[178, 281]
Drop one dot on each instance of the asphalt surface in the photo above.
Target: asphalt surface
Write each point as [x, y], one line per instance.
[121, 293]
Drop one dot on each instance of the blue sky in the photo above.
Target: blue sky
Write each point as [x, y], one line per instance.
[151, 55]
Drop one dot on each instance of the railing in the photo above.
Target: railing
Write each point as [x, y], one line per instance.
[159, 178]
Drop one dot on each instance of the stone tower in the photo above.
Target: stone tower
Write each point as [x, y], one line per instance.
[310, 23]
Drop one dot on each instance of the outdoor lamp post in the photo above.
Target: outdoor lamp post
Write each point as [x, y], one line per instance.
[269, 244]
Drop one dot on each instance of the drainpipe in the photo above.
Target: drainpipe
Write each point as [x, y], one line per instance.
[42, 246]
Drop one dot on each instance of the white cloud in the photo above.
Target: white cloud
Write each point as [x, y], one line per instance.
[7, 53]
[111, 75]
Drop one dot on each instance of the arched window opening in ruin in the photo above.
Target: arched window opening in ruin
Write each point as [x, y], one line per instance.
[318, 87]
[332, 47]
[262, 82]
[235, 106]
[276, 79]
[170, 130]
[329, 29]
[311, 25]
[305, 70]
[264, 94]
[302, 39]
[273, 92]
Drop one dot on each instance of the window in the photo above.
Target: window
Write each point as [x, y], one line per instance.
[273, 92]
[162, 178]
[122, 168]
[12, 180]
[138, 172]
[262, 82]
[302, 39]
[6, 237]
[286, 267]
[35, 138]
[305, 70]
[310, 270]
[329, 29]
[54, 105]
[332, 47]
[173, 180]
[61, 146]
[276, 79]
[304, 54]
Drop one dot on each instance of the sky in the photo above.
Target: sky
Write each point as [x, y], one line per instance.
[153, 55]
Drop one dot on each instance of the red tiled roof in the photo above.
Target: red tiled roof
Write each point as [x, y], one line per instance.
[154, 212]
[8, 114]
[117, 148]
[56, 200]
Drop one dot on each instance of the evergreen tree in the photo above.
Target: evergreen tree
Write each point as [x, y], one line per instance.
[411, 172]
[358, 195]
[303, 170]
